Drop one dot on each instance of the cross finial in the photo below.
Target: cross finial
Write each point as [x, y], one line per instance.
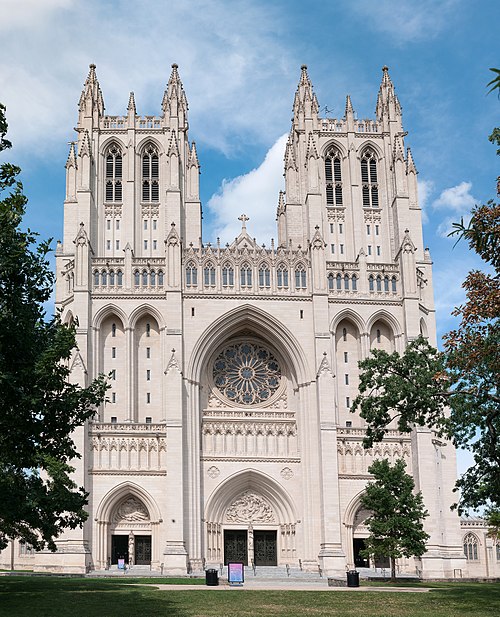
[243, 218]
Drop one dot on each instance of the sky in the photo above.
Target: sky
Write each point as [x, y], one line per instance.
[240, 63]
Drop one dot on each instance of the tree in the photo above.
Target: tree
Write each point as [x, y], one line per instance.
[40, 409]
[397, 513]
[419, 386]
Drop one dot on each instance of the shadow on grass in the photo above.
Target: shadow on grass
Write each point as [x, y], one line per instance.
[70, 597]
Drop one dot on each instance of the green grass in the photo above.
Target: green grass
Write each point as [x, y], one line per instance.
[42, 596]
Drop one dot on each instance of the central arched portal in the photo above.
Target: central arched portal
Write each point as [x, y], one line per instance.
[250, 519]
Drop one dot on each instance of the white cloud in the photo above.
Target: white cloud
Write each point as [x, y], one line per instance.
[406, 20]
[255, 193]
[460, 201]
[425, 190]
[45, 58]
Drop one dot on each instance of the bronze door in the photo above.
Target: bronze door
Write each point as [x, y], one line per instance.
[119, 548]
[265, 552]
[142, 550]
[235, 546]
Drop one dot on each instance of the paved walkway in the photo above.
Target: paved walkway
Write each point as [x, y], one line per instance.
[278, 586]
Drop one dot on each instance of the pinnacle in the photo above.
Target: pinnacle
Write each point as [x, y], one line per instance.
[348, 106]
[131, 103]
[304, 77]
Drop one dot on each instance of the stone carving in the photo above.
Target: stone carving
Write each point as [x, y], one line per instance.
[213, 472]
[286, 473]
[131, 511]
[250, 508]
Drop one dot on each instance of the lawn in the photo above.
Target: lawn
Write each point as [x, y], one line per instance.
[42, 596]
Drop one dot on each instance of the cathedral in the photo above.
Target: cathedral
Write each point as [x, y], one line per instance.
[227, 433]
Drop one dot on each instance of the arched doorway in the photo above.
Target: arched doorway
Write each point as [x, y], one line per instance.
[250, 518]
[127, 528]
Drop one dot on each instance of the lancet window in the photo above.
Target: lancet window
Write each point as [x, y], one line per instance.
[114, 174]
[227, 276]
[369, 179]
[264, 276]
[300, 277]
[209, 275]
[191, 275]
[470, 547]
[150, 175]
[246, 276]
[282, 276]
[333, 178]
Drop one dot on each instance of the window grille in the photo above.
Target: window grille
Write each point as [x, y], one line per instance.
[113, 175]
[369, 179]
[150, 175]
[333, 178]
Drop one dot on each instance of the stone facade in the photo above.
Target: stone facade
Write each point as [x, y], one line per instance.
[227, 432]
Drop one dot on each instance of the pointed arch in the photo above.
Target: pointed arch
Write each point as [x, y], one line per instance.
[388, 319]
[233, 487]
[117, 493]
[107, 311]
[145, 310]
[262, 324]
[350, 315]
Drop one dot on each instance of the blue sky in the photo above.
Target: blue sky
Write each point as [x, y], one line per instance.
[240, 63]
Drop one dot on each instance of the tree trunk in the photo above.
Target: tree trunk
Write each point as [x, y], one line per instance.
[393, 570]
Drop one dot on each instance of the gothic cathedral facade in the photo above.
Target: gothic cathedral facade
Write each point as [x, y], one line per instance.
[227, 433]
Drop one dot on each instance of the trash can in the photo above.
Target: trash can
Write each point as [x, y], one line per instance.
[352, 578]
[212, 577]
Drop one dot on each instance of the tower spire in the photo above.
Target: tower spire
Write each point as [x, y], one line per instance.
[174, 103]
[91, 100]
[388, 107]
[305, 104]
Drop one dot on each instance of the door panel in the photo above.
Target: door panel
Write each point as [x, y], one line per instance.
[265, 551]
[143, 550]
[235, 546]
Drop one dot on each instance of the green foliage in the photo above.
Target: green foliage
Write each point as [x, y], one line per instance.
[404, 389]
[40, 408]
[397, 514]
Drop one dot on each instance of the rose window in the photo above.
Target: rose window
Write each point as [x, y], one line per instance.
[246, 373]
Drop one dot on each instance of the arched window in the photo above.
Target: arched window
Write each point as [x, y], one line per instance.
[369, 179]
[339, 281]
[330, 281]
[153, 278]
[119, 278]
[104, 277]
[378, 336]
[148, 329]
[145, 278]
[111, 277]
[191, 275]
[96, 278]
[246, 276]
[209, 275]
[470, 547]
[264, 276]
[370, 282]
[282, 276]
[227, 276]
[160, 278]
[113, 330]
[333, 177]
[300, 277]
[379, 283]
[137, 278]
[114, 174]
[346, 282]
[386, 283]
[354, 282]
[344, 334]
[394, 286]
[150, 175]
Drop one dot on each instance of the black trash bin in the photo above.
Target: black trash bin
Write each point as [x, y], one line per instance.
[211, 577]
[352, 578]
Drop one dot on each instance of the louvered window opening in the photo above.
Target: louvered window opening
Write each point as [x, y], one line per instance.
[150, 176]
[333, 177]
[369, 180]
[114, 175]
